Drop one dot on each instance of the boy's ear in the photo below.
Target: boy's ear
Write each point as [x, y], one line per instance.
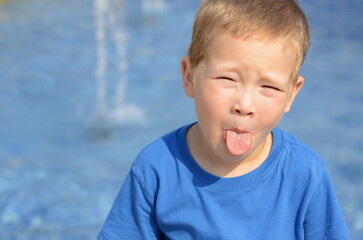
[187, 76]
[294, 91]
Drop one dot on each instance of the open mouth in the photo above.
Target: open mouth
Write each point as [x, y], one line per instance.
[238, 142]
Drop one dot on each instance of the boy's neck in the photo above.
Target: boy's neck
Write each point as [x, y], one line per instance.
[224, 168]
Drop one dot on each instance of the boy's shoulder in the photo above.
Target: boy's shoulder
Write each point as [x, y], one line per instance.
[163, 146]
[160, 153]
[300, 157]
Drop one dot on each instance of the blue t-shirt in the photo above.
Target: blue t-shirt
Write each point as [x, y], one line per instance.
[167, 195]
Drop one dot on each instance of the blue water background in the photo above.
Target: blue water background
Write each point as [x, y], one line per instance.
[78, 103]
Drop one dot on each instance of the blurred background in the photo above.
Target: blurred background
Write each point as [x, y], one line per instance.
[84, 85]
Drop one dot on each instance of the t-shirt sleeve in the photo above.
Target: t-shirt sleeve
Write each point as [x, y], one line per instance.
[132, 215]
[324, 218]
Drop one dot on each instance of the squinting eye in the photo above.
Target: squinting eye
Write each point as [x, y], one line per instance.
[226, 78]
[271, 87]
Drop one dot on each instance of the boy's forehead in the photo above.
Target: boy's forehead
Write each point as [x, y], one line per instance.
[223, 54]
[283, 42]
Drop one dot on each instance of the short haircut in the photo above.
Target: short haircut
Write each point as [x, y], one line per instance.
[250, 19]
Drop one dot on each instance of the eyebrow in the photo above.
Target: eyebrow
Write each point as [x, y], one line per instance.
[225, 66]
[273, 78]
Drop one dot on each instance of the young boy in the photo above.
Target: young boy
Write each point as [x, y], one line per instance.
[233, 175]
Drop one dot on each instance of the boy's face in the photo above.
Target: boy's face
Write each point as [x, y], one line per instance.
[241, 90]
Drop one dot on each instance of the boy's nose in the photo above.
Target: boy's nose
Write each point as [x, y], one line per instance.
[243, 105]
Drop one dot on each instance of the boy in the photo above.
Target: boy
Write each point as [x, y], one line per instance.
[233, 175]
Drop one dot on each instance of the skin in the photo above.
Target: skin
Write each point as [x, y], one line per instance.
[240, 85]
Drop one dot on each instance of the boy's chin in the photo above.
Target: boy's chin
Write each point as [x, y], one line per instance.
[233, 158]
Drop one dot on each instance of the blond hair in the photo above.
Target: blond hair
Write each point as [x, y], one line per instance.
[271, 19]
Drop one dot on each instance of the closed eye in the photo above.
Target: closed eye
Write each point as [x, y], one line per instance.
[226, 78]
[271, 87]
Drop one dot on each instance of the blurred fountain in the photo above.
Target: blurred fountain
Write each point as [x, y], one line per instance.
[149, 6]
[100, 9]
[111, 27]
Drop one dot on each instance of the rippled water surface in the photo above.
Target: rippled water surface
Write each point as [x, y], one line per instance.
[85, 84]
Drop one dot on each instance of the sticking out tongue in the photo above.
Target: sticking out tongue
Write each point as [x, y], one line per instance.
[238, 143]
